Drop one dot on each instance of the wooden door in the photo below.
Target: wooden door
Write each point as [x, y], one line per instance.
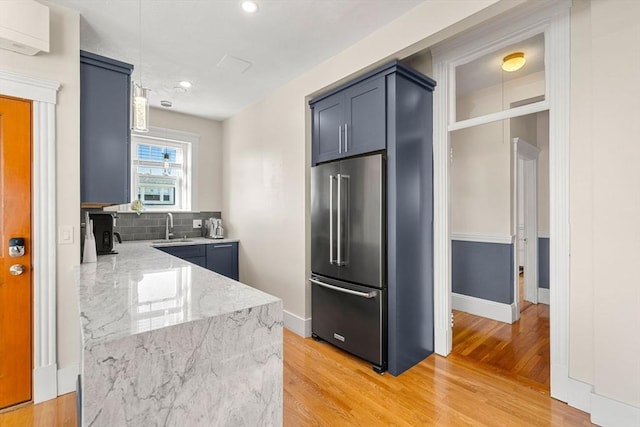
[15, 289]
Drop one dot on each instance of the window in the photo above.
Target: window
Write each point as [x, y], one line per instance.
[161, 170]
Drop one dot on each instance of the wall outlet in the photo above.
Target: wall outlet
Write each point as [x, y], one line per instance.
[197, 223]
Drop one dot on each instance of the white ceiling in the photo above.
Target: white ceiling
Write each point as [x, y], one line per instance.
[186, 39]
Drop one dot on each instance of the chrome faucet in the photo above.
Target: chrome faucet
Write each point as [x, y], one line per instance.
[168, 235]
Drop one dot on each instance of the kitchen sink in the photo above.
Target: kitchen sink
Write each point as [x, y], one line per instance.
[160, 242]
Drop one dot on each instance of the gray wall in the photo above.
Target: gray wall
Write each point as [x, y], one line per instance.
[482, 270]
[543, 262]
[151, 225]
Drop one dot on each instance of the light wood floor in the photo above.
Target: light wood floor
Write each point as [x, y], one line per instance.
[324, 386]
[519, 351]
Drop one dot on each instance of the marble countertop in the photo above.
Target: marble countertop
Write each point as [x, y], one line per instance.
[143, 289]
[188, 241]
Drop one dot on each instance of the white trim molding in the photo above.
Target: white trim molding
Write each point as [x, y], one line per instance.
[67, 378]
[543, 296]
[552, 19]
[481, 307]
[297, 324]
[43, 94]
[609, 412]
[506, 239]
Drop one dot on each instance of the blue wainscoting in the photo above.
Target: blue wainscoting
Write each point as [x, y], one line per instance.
[543, 262]
[482, 270]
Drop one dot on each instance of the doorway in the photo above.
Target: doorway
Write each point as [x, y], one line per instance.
[16, 359]
[526, 215]
[534, 18]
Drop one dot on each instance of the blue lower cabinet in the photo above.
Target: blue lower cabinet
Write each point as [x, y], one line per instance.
[223, 259]
[186, 252]
[220, 257]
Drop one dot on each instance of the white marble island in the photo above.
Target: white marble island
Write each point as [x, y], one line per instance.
[167, 343]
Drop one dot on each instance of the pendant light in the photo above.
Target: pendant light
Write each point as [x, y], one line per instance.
[140, 107]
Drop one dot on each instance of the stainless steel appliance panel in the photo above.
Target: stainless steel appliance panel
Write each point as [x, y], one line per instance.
[324, 219]
[361, 238]
[347, 220]
[350, 317]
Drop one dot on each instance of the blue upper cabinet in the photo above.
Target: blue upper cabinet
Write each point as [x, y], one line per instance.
[105, 135]
[350, 121]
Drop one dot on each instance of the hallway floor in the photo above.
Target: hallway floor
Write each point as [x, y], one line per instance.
[519, 351]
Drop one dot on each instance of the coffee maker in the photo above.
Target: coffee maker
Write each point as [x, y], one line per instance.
[103, 232]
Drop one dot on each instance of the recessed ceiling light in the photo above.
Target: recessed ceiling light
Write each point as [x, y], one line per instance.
[250, 6]
[185, 84]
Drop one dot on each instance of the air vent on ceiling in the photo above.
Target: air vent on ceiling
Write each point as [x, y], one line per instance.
[233, 64]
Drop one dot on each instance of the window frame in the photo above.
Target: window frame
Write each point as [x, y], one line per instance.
[189, 143]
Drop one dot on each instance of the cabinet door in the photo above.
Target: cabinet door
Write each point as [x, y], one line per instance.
[328, 128]
[365, 117]
[104, 130]
[223, 259]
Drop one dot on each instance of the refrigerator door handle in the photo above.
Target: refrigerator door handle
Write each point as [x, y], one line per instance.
[339, 258]
[367, 295]
[331, 178]
[343, 246]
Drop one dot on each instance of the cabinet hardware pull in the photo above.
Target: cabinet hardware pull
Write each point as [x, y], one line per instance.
[222, 246]
[340, 139]
[346, 137]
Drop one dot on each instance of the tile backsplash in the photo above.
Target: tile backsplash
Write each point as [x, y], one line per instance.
[151, 225]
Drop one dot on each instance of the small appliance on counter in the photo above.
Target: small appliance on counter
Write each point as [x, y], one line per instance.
[215, 230]
[103, 232]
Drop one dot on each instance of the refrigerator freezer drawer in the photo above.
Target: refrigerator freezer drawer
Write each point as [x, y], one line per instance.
[350, 317]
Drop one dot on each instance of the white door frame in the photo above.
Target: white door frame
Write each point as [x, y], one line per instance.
[43, 94]
[552, 18]
[528, 153]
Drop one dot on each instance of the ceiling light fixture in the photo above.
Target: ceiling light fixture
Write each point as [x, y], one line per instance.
[185, 84]
[513, 61]
[140, 107]
[250, 6]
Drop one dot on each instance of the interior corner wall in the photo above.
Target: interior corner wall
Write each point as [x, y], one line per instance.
[210, 152]
[542, 142]
[62, 64]
[266, 156]
[605, 298]
[480, 181]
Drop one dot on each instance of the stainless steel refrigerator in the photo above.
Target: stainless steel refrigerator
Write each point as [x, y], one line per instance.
[348, 254]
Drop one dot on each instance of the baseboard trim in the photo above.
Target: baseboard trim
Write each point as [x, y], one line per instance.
[609, 412]
[579, 395]
[484, 308]
[543, 296]
[297, 324]
[67, 379]
[483, 238]
[45, 383]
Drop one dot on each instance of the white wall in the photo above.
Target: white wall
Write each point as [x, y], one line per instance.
[62, 64]
[481, 182]
[267, 157]
[480, 197]
[210, 152]
[605, 206]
